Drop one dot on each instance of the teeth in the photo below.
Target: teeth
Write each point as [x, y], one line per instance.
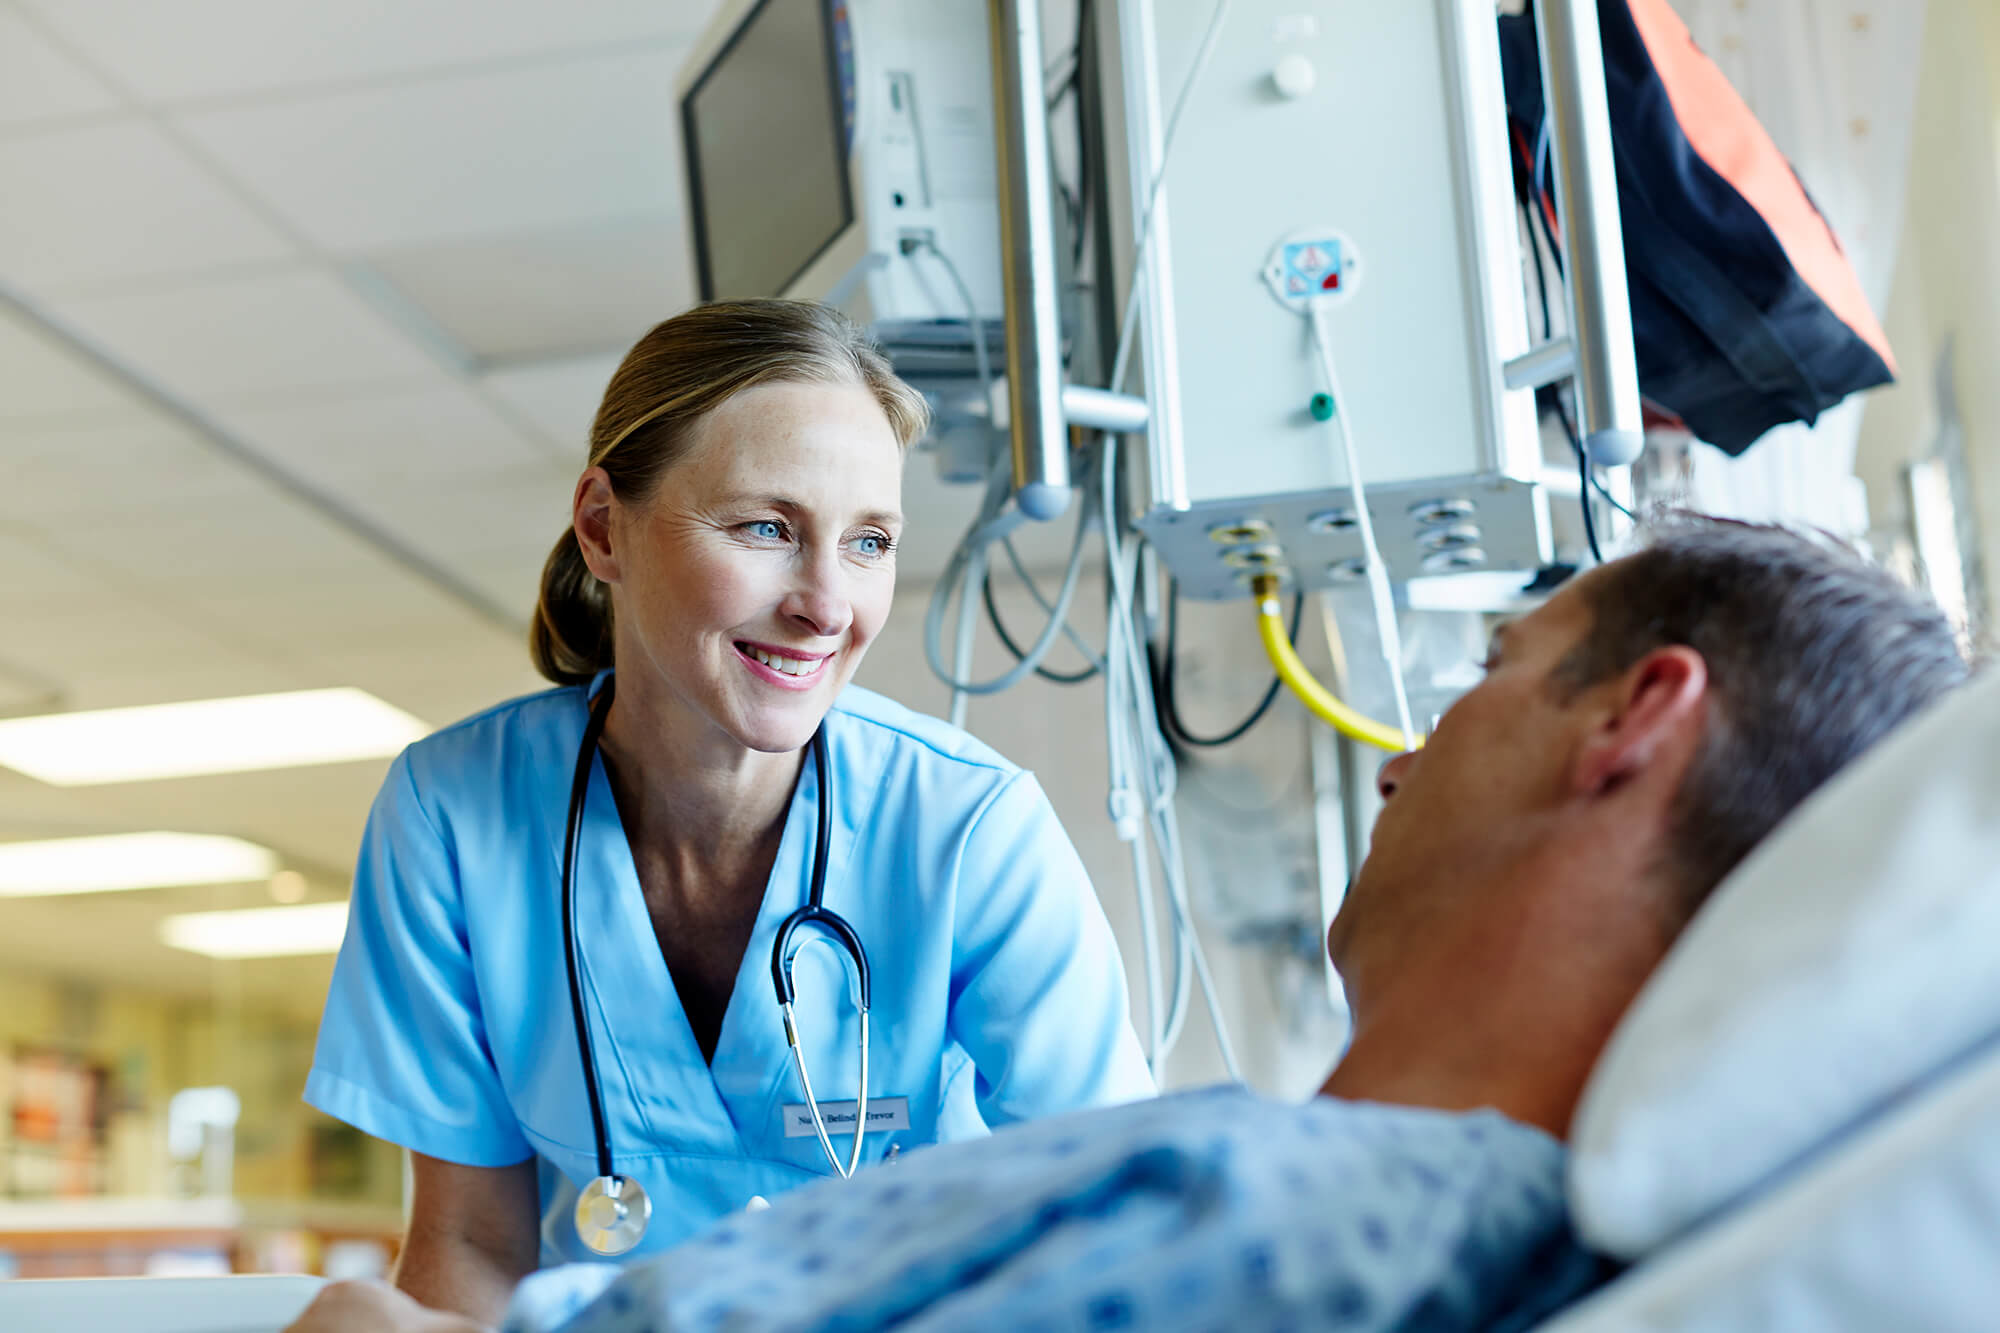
[791, 666]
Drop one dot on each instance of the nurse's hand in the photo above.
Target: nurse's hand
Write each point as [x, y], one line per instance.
[375, 1307]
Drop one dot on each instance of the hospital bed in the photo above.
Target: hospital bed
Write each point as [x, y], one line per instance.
[1796, 1127]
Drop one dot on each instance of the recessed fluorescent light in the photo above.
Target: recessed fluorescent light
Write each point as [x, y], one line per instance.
[129, 861]
[259, 932]
[181, 740]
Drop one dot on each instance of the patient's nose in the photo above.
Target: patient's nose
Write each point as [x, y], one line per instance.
[1390, 775]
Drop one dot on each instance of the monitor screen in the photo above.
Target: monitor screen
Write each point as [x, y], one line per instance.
[767, 151]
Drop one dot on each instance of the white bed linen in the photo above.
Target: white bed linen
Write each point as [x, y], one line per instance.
[1850, 956]
[1896, 1229]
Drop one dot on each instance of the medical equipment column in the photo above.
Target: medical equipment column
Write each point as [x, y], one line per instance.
[1028, 262]
[1607, 368]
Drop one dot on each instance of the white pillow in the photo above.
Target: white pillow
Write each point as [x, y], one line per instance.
[1852, 954]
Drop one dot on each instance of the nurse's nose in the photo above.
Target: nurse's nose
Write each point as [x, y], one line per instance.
[818, 603]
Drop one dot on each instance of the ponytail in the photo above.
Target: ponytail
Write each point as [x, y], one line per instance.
[570, 640]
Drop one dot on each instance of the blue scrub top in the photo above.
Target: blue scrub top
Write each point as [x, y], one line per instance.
[997, 989]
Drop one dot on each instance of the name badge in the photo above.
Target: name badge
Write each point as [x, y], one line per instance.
[884, 1114]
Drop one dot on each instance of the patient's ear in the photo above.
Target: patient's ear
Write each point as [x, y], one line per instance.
[1653, 716]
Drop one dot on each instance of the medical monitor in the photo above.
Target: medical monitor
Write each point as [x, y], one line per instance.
[765, 127]
[843, 151]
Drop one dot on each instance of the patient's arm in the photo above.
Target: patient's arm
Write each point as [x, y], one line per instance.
[474, 1233]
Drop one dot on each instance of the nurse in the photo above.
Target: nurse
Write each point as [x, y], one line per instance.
[731, 558]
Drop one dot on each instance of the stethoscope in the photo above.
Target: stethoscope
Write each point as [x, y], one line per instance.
[612, 1211]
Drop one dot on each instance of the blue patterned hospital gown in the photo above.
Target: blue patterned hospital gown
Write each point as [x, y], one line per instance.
[1216, 1209]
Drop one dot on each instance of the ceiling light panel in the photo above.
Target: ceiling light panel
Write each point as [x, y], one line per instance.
[259, 932]
[206, 736]
[124, 861]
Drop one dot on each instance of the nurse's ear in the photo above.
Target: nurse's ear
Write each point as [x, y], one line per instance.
[590, 516]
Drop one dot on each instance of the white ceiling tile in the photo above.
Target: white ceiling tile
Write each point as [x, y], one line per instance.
[272, 537]
[98, 203]
[138, 467]
[38, 82]
[561, 397]
[42, 380]
[127, 683]
[216, 48]
[546, 295]
[306, 619]
[442, 678]
[542, 147]
[512, 579]
[57, 645]
[249, 337]
[526, 508]
[386, 441]
[36, 580]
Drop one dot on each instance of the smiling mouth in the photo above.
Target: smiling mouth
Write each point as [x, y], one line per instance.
[798, 668]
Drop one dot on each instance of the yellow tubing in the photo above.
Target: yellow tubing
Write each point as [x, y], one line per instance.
[1271, 628]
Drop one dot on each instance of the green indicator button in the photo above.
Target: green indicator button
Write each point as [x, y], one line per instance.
[1321, 407]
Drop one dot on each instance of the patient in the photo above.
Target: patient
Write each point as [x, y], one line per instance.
[1633, 739]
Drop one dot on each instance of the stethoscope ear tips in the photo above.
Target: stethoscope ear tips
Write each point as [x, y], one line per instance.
[611, 1214]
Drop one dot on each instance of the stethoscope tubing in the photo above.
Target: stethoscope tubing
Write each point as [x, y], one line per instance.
[814, 915]
[579, 788]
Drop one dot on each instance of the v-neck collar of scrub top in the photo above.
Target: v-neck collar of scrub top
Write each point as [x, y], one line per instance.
[677, 1103]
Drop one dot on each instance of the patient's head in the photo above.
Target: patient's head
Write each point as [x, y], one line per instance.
[1633, 739]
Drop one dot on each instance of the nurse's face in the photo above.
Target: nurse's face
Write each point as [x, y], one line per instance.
[752, 580]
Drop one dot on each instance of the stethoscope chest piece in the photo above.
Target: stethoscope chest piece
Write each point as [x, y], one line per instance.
[611, 1214]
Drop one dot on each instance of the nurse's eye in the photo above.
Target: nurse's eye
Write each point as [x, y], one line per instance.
[875, 545]
[765, 529]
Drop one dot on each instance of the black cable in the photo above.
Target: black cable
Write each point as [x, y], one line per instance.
[1583, 487]
[1541, 275]
[1167, 706]
[579, 791]
[1596, 482]
[1007, 640]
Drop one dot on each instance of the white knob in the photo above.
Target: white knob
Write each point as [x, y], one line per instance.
[758, 1203]
[1294, 75]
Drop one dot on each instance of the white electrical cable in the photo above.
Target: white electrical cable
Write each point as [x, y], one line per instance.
[1090, 654]
[1379, 591]
[968, 626]
[987, 528]
[981, 362]
[967, 566]
[1128, 324]
[1138, 750]
[1142, 771]
[1128, 681]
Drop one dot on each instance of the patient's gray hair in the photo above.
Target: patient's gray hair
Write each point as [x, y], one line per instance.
[1813, 655]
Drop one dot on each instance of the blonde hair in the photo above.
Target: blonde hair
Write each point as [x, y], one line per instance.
[672, 378]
